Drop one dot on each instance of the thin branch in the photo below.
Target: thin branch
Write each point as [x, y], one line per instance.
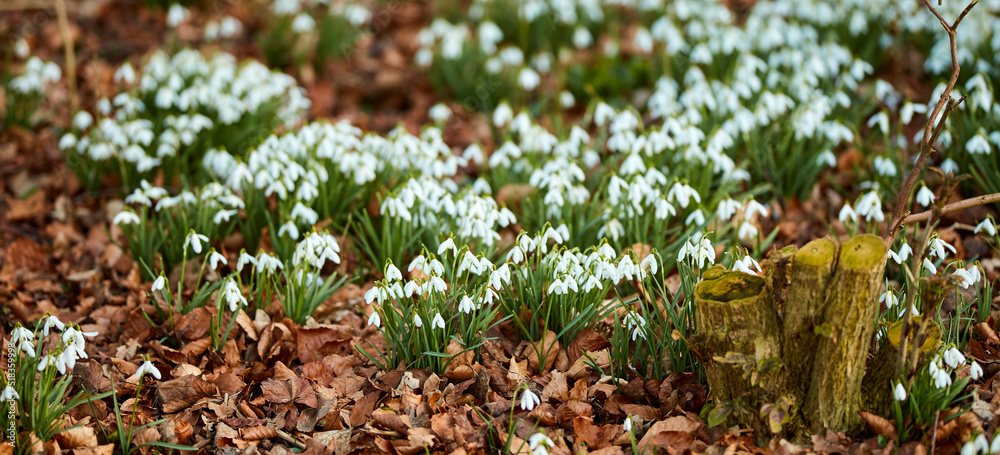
[954, 207]
[934, 125]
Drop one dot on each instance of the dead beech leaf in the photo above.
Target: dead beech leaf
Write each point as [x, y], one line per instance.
[81, 436]
[106, 449]
[258, 432]
[546, 349]
[181, 393]
[581, 367]
[880, 425]
[313, 344]
[556, 388]
[459, 368]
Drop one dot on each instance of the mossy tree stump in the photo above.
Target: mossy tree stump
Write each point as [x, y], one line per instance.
[815, 314]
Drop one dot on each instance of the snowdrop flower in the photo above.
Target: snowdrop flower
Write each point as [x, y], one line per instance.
[438, 322]
[392, 273]
[969, 448]
[884, 166]
[582, 37]
[175, 15]
[899, 392]
[194, 240]
[440, 113]
[303, 23]
[882, 120]
[147, 367]
[889, 298]
[627, 425]
[925, 196]
[847, 213]
[969, 276]
[747, 231]
[995, 445]
[743, 265]
[374, 318]
[953, 357]
[649, 262]
[214, 258]
[978, 145]
[870, 207]
[941, 379]
[930, 266]
[528, 79]
[902, 255]
[566, 99]
[50, 322]
[683, 193]
[159, 283]
[126, 217]
[266, 262]
[82, 120]
[502, 115]
[538, 440]
[290, 229]
[21, 48]
[727, 208]
[232, 295]
[949, 166]
[975, 371]
[529, 400]
[635, 323]
[244, 259]
[828, 158]
[465, 305]
[937, 247]
[417, 321]
[9, 394]
[986, 225]
[754, 207]
[24, 339]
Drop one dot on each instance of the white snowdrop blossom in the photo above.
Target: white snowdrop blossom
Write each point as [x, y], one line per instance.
[975, 371]
[987, 226]
[159, 283]
[847, 214]
[147, 367]
[438, 322]
[529, 400]
[194, 240]
[953, 357]
[925, 196]
[903, 253]
[938, 247]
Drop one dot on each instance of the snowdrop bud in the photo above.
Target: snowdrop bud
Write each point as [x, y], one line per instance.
[899, 393]
[417, 322]
[627, 426]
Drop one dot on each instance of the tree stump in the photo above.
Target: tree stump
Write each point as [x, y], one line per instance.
[735, 314]
[821, 333]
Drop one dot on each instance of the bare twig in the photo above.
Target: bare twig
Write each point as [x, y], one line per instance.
[932, 129]
[934, 125]
[67, 37]
[954, 207]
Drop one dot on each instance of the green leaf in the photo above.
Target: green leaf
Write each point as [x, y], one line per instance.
[718, 414]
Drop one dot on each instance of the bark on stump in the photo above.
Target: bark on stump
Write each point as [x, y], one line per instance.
[834, 396]
[735, 313]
